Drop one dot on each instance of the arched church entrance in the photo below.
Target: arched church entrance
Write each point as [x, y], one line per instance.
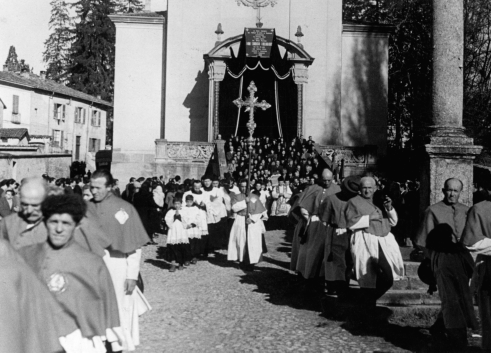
[278, 68]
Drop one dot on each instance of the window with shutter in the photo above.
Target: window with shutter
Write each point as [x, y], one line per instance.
[61, 139]
[77, 115]
[85, 110]
[15, 105]
[99, 119]
[98, 145]
[64, 112]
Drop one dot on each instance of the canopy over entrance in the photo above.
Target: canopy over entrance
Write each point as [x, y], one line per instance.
[279, 75]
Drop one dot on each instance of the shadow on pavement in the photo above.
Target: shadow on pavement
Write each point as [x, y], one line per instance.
[158, 263]
[282, 288]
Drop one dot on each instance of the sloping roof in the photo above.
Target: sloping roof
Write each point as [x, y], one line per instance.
[14, 133]
[36, 82]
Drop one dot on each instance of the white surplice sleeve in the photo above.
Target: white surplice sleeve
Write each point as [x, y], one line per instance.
[393, 219]
[239, 206]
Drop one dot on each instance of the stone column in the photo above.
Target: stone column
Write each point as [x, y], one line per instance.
[299, 109]
[448, 152]
[216, 101]
[301, 77]
[216, 75]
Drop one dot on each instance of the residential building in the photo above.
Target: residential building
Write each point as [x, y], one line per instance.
[68, 120]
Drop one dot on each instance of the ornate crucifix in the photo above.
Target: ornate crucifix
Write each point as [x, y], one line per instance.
[251, 104]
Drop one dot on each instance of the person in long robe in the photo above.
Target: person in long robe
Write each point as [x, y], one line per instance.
[223, 230]
[477, 238]
[337, 252]
[192, 218]
[376, 254]
[308, 244]
[215, 212]
[448, 214]
[31, 320]
[120, 222]
[246, 236]
[78, 279]
[201, 200]
[27, 227]
[444, 222]
[178, 250]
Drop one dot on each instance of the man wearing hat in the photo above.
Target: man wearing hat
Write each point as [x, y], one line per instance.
[336, 255]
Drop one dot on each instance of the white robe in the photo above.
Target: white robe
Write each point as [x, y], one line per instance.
[194, 215]
[238, 236]
[177, 233]
[198, 199]
[121, 267]
[365, 252]
[215, 210]
[278, 193]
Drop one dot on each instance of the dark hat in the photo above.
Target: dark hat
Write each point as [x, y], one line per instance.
[351, 184]
[207, 177]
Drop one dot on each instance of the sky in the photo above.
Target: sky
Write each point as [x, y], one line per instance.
[25, 25]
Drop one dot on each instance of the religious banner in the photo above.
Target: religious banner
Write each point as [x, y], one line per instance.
[259, 42]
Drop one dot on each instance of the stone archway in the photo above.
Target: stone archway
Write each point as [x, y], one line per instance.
[219, 58]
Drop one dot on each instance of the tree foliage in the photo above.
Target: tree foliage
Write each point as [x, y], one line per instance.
[57, 46]
[93, 49]
[129, 6]
[410, 65]
[477, 70]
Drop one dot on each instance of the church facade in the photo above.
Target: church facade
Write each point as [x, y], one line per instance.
[178, 72]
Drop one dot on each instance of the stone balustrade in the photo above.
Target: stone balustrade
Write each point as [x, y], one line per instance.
[363, 155]
[182, 152]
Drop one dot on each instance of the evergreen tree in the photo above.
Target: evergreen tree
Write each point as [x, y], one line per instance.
[129, 6]
[57, 46]
[92, 52]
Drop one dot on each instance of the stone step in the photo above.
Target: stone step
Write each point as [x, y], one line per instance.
[411, 268]
[409, 297]
[407, 283]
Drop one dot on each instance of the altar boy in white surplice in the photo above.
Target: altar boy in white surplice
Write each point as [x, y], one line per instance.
[245, 244]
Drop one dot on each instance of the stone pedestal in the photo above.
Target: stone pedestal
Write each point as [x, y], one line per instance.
[449, 153]
[443, 161]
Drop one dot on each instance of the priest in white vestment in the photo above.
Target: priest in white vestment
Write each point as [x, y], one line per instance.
[376, 254]
[245, 244]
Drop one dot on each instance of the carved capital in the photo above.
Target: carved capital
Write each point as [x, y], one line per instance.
[257, 3]
[217, 70]
[301, 74]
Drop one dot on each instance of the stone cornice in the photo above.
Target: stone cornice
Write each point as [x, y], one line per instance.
[368, 28]
[138, 19]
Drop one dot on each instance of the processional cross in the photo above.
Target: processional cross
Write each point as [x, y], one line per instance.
[251, 104]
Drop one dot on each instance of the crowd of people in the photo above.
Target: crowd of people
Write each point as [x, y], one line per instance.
[82, 238]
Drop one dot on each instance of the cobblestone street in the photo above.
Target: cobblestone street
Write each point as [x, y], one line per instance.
[216, 307]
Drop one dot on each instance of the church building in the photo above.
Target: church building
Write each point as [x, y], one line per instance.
[179, 71]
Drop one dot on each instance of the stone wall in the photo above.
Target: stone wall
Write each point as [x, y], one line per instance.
[21, 166]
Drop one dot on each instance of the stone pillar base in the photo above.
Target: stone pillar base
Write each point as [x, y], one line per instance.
[446, 157]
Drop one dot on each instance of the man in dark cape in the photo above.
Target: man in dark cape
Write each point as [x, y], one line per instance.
[27, 227]
[447, 214]
[477, 238]
[119, 220]
[337, 255]
[31, 320]
[310, 233]
[78, 279]
[451, 264]
[376, 255]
